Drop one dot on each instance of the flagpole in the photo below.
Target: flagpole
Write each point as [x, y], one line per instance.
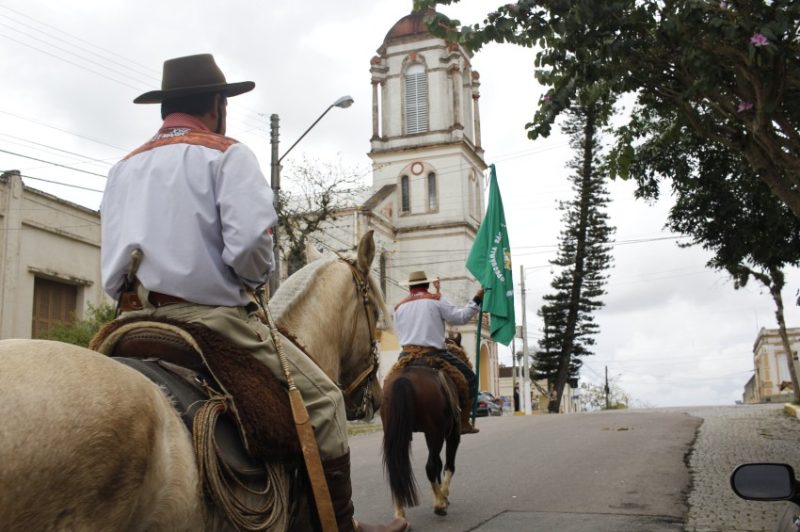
[477, 363]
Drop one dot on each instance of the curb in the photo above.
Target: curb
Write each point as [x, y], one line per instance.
[791, 410]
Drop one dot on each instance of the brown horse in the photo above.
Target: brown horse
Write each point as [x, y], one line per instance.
[419, 399]
[89, 444]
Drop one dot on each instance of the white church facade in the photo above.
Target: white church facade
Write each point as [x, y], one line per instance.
[426, 199]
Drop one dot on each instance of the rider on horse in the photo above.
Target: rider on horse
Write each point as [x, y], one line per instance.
[420, 322]
[197, 206]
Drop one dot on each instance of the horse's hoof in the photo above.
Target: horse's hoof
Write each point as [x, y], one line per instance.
[440, 510]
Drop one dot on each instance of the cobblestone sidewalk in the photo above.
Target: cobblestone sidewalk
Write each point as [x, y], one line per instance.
[728, 437]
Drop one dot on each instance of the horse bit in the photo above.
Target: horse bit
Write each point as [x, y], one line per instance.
[365, 378]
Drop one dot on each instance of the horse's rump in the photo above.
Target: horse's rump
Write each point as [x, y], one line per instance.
[126, 461]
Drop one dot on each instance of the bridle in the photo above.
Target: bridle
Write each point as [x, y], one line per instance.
[363, 382]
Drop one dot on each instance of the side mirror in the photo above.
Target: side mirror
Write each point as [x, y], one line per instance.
[764, 482]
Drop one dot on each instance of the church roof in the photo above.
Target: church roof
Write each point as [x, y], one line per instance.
[378, 197]
[409, 26]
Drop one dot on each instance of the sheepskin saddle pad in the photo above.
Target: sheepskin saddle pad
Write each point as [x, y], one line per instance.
[194, 363]
[429, 359]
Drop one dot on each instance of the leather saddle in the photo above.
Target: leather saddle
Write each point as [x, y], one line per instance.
[169, 361]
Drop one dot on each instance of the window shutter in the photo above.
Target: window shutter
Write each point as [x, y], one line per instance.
[416, 86]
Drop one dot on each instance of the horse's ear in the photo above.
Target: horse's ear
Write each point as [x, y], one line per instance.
[366, 252]
[312, 253]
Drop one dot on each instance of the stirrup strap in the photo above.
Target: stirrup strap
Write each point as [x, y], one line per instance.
[305, 432]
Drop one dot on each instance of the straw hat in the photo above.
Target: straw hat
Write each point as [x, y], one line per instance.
[418, 277]
[193, 74]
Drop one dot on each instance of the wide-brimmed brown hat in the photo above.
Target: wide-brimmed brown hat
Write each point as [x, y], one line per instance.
[193, 74]
[418, 277]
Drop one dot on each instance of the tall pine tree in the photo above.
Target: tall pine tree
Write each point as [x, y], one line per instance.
[583, 253]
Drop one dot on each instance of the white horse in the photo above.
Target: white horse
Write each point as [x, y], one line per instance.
[89, 444]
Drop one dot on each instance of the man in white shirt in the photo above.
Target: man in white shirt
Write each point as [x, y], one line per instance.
[420, 319]
[198, 207]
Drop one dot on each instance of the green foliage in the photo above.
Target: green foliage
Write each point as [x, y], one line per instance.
[722, 205]
[80, 332]
[729, 70]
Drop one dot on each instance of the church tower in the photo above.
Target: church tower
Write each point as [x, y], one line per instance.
[428, 164]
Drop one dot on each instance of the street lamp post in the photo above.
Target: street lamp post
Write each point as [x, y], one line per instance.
[275, 176]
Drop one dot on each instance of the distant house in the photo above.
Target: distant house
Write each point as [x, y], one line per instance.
[772, 381]
[49, 259]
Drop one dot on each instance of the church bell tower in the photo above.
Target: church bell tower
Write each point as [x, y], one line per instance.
[427, 158]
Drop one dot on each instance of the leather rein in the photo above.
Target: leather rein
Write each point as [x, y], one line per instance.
[364, 379]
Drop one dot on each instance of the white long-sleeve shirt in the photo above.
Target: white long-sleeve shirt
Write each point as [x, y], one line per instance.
[422, 321]
[199, 208]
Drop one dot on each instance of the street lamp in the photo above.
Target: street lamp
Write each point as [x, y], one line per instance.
[275, 176]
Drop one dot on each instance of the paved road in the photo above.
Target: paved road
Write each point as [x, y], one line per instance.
[606, 471]
[638, 470]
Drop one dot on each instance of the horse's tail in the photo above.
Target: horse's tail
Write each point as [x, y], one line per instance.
[397, 432]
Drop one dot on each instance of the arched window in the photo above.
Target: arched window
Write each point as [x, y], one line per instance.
[433, 203]
[471, 194]
[416, 99]
[405, 196]
[476, 185]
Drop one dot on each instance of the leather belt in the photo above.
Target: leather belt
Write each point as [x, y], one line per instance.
[130, 301]
[157, 299]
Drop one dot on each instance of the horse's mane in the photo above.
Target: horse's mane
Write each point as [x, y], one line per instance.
[297, 286]
[301, 283]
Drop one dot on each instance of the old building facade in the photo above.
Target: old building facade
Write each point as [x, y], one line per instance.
[49, 260]
[772, 381]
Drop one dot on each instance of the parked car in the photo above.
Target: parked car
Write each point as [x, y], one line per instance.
[770, 482]
[488, 405]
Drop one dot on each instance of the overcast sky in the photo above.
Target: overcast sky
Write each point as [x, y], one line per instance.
[672, 331]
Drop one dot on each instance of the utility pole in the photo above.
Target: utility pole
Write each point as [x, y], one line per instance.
[275, 183]
[514, 392]
[526, 380]
[275, 177]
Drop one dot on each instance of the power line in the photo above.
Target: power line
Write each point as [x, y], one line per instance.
[62, 184]
[84, 158]
[128, 61]
[63, 130]
[54, 164]
[73, 63]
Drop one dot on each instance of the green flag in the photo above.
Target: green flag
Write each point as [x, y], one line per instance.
[490, 262]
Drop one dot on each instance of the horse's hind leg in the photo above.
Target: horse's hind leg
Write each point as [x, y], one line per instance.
[433, 468]
[453, 440]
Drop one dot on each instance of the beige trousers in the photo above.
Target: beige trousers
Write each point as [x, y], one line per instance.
[322, 397]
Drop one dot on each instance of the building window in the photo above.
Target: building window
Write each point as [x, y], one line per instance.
[405, 196]
[432, 196]
[476, 187]
[416, 99]
[53, 303]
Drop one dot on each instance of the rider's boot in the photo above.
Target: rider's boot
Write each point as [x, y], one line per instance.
[466, 426]
[337, 474]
